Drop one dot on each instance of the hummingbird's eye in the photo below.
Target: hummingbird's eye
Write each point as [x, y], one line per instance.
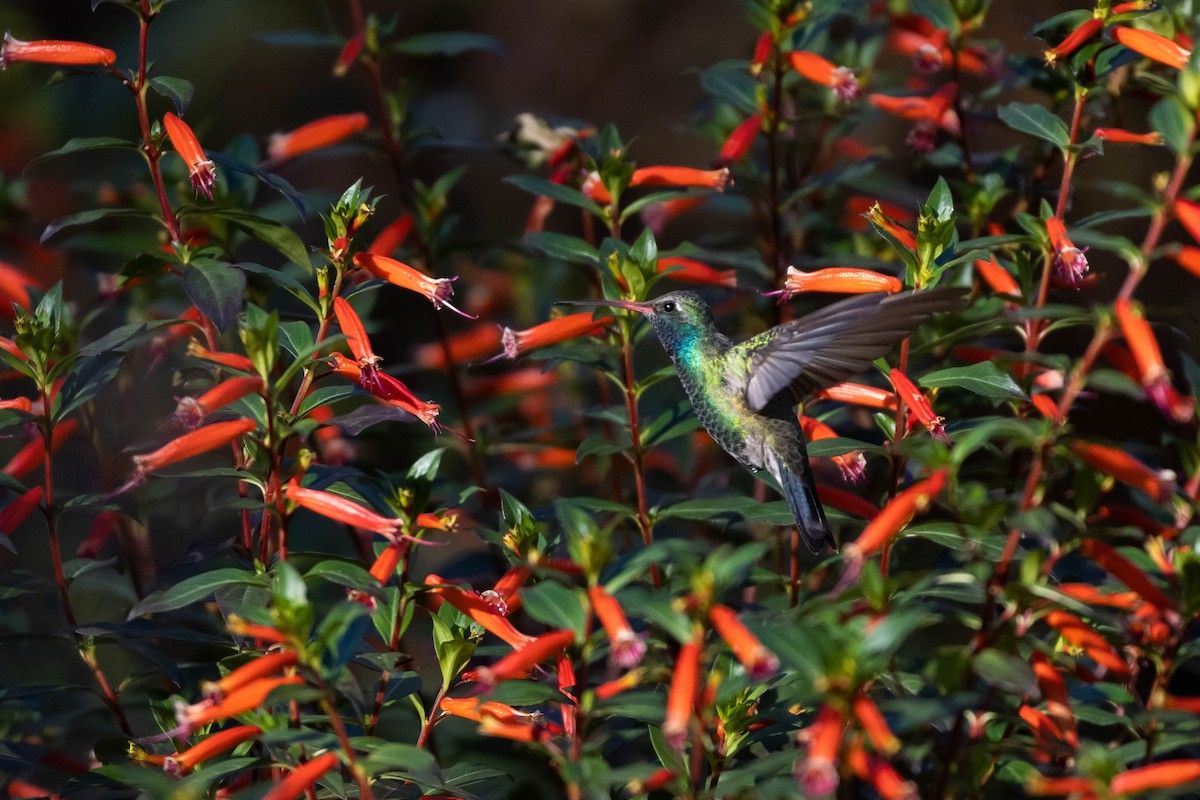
[669, 306]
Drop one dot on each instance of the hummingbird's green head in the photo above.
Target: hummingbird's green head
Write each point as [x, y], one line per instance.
[681, 319]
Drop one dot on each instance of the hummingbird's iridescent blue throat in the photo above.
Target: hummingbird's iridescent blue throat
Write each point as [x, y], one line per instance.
[745, 394]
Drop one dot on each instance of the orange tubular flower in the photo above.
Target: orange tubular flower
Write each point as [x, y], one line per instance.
[656, 215]
[853, 465]
[1050, 740]
[1152, 46]
[1074, 40]
[998, 279]
[517, 664]
[922, 411]
[341, 509]
[937, 109]
[897, 231]
[215, 744]
[759, 662]
[437, 290]
[31, 456]
[245, 699]
[389, 390]
[842, 280]
[191, 411]
[17, 404]
[1188, 257]
[1069, 261]
[1126, 469]
[1124, 570]
[482, 612]
[201, 169]
[201, 440]
[875, 726]
[1119, 136]
[18, 510]
[240, 627]
[1083, 788]
[249, 672]
[681, 697]
[464, 346]
[860, 395]
[716, 179]
[1085, 637]
[1155, 378]
[740, 141]
[881, 775]
[1188, 213]
[627, 648]
[1054, 692]
[231, 360]
[818, 772]
[386, 562]
[391, 237]
[821, 71]
[303, 777]
[895, 515]
[555, 331]
[63, 54]
[688, 270]
[847, 501]
[1163, 775]
[624, 683]
[315, 135]
[14, 290]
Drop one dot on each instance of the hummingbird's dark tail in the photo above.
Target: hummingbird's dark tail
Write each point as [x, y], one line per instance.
[801, 493]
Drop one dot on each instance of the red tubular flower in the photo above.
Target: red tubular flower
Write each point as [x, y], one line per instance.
[1163, 775]
[388, 389]
[482, 612]
[260, 667]
[1069, 261]
[937, 109]
[518, 663]
[201, 169]
[1188, 257]
[898, 232]
[688, 270]
[391, 237]
[315, 135]
[302, 777]
[762, 52]
[922, 411]
[624, 683]
[349, 55]
[1119, 136]
[214, 745]
[659, 779]
[247, 698]
[18, 510]
[895, 515]
[1126, 469]
[1081, 788]
[191, 411]
[231, 360]
[1087, 639]
[1050, 740]
[356, 336]
[32, 455]
[341, 509]
[447, 521]
[386, 562]
[193, 443]
[1124, 570]
[627, 648]
[1054, 692]
[841, 280]
[874, 725]
[464, 346]
[10, 347]
[250, 630]
[14, 290]
[1188, 213]
[860, 395]
[1074, 40]
[881, 775]
[549, 333]
[681, 696]
[821, 71]
[739, 142]
[716, 179]
[1155, 378]
[437, 290]
[17, 404]
[818, 772]
[998, 279]
[847, 501]
[853, 465]
[507, 589]
[49, 51]
[759, 662]
[656, 215]
[1153, 46]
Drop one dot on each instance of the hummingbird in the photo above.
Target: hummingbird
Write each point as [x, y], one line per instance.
[745, 394]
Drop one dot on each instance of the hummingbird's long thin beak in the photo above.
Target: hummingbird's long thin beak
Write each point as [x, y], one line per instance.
[631, 305]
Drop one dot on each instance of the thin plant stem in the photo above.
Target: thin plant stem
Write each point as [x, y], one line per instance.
[637, 453]
[139, 88]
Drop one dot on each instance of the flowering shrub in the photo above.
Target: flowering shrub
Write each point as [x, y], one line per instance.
[277, 585]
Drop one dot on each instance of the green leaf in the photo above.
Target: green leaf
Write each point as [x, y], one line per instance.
[217, 289]
[984, 378]
[85, 380]
[94, 215]
[561, 246]
[344, 573]
[232, 164]
[276, 234]
[730, 82]
[1171, 118]
[453, 651]
[1037, 121]
[447, 43]
[1006, 672]
[555, 191]
[645, 250]
[84, 143]
[177, 90]
[195, 588]
[557, 606]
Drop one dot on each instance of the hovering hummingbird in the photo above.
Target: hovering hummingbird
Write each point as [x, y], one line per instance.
[745, 394]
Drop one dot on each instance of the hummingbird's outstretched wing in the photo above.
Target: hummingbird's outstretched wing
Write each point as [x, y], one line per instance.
[836, 342]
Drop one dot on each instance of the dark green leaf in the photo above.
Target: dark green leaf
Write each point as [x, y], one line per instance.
[232, 164]
[559, 245]
[177, 90]
[81, 144]
[555, 191]
[1006, 672]
[94, 215]
[217, 289]
[1037, 121]
[1171, 118]
[446, 43]
[85, 380]
[556, 605]
[195, 588]
[984, 378]
[276, 234]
